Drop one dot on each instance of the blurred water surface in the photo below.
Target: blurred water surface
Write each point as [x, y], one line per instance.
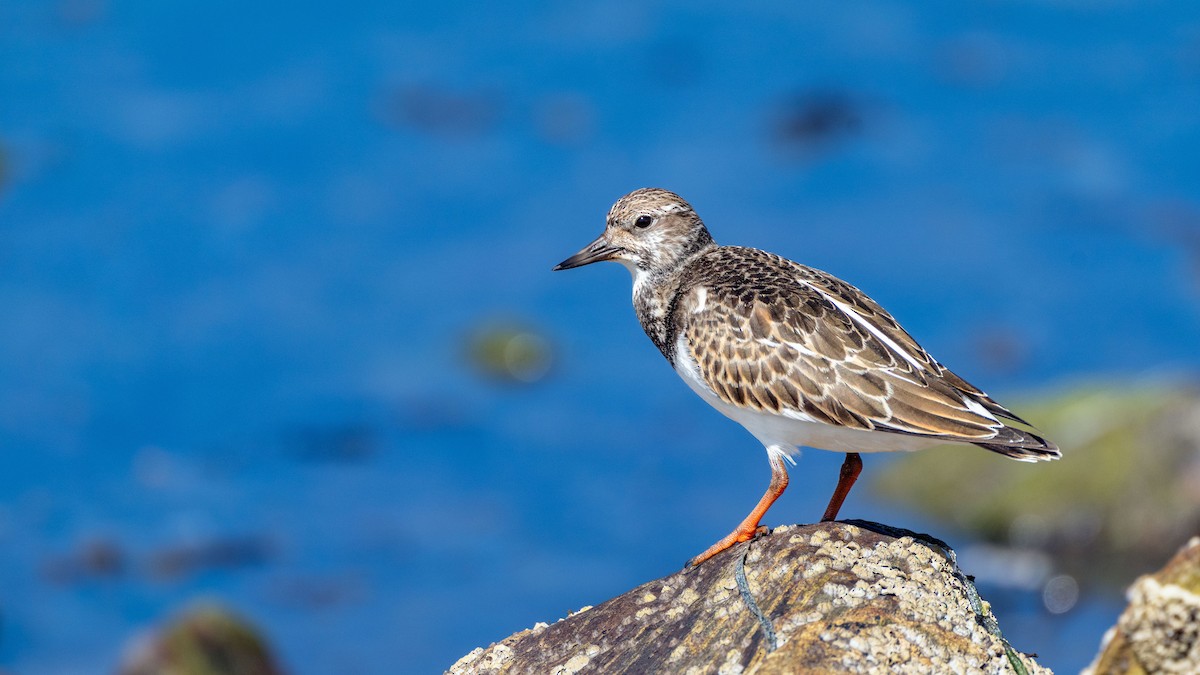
[245, 251]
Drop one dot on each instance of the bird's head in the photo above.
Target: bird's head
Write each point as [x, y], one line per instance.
[648, 231]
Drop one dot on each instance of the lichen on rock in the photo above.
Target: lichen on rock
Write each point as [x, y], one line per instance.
[1159, 632]
[851, 597]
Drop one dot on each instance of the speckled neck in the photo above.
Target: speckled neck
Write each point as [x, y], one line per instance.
[656, 295]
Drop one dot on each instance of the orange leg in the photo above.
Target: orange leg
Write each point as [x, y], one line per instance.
[749, 527]
[850, 470]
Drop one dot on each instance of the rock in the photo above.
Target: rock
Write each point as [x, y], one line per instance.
[853, 597]
[208, 640]
[510, 353]
[1160, 630]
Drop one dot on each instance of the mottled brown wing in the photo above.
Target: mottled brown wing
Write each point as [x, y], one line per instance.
[765, 337]
[870, 310]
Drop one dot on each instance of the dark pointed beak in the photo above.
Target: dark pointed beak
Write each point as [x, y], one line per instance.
[597, 251]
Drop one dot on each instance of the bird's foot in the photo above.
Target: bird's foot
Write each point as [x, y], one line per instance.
[742, 534]
[759, 531]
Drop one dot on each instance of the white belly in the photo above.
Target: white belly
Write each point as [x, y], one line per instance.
[785, 433]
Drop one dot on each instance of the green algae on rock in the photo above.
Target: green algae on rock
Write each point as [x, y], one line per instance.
[1124, 496]
[206, 640]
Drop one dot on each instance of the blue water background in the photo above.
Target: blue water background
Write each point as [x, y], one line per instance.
[227, 230]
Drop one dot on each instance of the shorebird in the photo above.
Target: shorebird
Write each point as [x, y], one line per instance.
[795, 355]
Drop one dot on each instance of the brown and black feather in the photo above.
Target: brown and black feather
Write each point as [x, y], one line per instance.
[776, 336]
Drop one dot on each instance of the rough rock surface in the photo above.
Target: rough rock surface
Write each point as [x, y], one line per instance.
[852, 597]
[1160, 630]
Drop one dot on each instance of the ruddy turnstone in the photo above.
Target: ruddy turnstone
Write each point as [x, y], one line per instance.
[796, 356]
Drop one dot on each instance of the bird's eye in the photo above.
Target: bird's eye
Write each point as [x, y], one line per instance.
[643, 222]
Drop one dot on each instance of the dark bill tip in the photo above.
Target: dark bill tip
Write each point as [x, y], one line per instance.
[597, 251]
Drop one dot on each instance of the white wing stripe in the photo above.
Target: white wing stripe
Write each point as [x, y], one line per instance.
[849, 311]
[862, 321]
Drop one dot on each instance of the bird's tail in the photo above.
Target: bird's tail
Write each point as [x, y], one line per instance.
[1021, 445]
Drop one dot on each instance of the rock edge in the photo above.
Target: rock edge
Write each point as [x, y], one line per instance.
[854, 597]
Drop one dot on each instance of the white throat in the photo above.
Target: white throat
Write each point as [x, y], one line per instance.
[640, 276]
